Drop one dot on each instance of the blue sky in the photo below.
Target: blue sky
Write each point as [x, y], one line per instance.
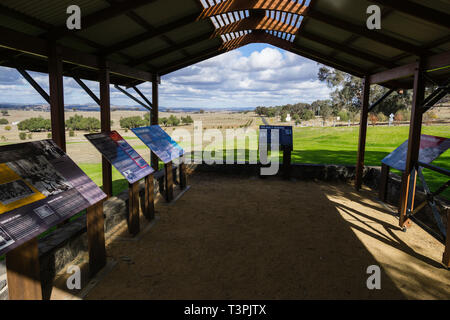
[254, 75]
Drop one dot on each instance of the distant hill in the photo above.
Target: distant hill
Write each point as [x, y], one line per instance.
[95, 108]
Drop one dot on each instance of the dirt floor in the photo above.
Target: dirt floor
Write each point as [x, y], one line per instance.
[249, 238]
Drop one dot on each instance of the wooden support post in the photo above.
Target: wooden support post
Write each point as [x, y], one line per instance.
[154, 115]
[286, 162]
[446, 256]
[409, 178]
[183, 175]
[23, 272]
[105, 119]
[56, 89]
[96, 238]
[133, 208]
[168, 181]
[384, 180]
[149, 198]
[362, 132]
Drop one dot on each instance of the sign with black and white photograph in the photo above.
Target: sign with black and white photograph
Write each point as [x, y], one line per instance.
[40, 186]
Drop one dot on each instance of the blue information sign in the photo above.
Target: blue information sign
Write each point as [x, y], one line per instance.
[159, 142]
[284, 133]
[121, 155]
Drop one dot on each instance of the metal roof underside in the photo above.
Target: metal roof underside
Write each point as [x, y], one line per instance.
[161, 36]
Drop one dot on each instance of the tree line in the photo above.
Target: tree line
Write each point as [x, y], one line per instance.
[345, 101]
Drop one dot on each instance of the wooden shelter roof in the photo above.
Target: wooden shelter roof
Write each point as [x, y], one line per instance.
[138, 38]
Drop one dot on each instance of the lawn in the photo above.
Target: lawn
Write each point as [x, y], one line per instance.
[333, 146]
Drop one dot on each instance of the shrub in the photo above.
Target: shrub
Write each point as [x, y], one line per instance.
[30, 136]
[78, 122]
[35, 124]
[3, 138]
[132, 122]
[71, 133]
[343, 115]
[8, 128]
[22, 135]
[173, 121]
[373, 118]
[163, 121]
[382, 117]
[49, 135]
[187, 120]
[3, 121]
[5, 113]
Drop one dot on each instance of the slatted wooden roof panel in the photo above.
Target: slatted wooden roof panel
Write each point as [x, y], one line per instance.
[161, 36]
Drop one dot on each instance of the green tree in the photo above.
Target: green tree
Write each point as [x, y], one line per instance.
[8, 128]
[132, 122]
[3, 121]
[173, 121]
[22, 135]
[35, 124]
[187, 119]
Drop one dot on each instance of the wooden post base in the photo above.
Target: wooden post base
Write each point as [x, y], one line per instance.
[96, 238]
[149, 198]
[133, 208]
[183, 176]
[384, 179]
[286, 162]
[168, 181]
[23, 272]
[446, 256]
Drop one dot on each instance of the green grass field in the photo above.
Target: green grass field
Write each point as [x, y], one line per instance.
[334, 146]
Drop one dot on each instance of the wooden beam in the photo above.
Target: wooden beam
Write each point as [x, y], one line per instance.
[34, 84]
[56, 88]
[225, 7]
[133, 209]
[369, 34]
[347, 49]
[87, 90]
[154, 160]
[446, 255]
[362, 133]
[39, 47]
[149, 198]
[168, 181]
[23, 272]
[117, 9]
[129, 95]
[156, 32]
[96, 238]
[105, 120]
[143, 96]
[171, 49]
[418, 11]
[429, 63]
[409, 177]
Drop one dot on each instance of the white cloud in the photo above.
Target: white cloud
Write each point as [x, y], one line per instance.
[246, 77]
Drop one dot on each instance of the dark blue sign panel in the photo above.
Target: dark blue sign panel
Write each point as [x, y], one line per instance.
[159, 142]
[431, 148]
[284, 133]
[121, 155]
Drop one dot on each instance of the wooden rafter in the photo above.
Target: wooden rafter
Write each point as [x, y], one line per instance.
[156, 32]
[100, 16]
[286, 6]
[255, 23]
[417, 10]
[369, 34]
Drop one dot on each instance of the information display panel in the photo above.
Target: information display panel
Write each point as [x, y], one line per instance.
[284, 133]
[40, 187]
[431, 147]
[121, 155]
[159, 142]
